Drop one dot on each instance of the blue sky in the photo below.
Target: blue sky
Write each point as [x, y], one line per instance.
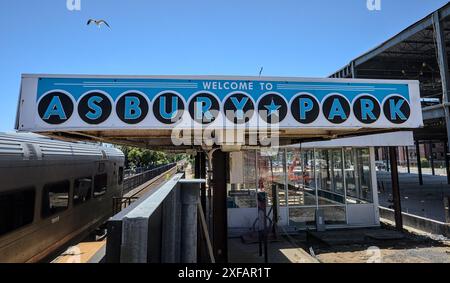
[198, 37]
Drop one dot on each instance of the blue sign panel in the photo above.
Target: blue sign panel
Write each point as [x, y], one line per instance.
[163, 102]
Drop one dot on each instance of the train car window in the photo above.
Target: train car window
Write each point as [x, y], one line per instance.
[55, 198]
[82, 190]
[100, 184]
[16, 209]
[120, 181]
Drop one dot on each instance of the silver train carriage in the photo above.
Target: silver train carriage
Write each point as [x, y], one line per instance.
[52, 192]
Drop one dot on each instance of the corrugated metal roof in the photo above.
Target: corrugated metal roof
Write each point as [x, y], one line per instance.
[26, 147]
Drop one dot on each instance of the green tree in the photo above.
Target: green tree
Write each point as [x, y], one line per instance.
[141, 157]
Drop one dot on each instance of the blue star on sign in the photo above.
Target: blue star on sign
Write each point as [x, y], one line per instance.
[272, 108]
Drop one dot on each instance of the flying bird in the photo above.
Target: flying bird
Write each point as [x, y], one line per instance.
[98, 22]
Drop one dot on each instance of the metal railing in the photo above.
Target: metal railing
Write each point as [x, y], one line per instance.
[138, 170]
[134, 181]
[120, 203]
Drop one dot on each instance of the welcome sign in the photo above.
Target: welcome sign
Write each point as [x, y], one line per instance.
[65, 102]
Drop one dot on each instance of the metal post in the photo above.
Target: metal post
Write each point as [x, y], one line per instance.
[197, 166]
[189, 200]
[353, 70]
[202, 253]
[262, 229]
[447, 208]
[407, 160]
[419, 164]
[447, 164]
[203, 185]
[274, 209]
[430, 145]
[219, 207]
[386, 154]
[443, 68]
[200, 173]
[274, 200]
[396, 189]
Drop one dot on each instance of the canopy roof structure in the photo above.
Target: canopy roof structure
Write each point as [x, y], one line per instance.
[420, 52]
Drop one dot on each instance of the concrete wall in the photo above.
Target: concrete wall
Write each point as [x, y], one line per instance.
[419, 223]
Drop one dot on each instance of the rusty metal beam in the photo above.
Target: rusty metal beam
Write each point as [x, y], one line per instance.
[396, 189]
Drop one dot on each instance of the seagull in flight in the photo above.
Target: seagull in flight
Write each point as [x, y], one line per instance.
[97, 22]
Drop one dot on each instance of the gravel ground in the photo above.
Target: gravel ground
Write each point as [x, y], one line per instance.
[414, 248]
[388, 255]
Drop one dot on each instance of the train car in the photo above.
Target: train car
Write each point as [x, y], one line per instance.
[52, 192]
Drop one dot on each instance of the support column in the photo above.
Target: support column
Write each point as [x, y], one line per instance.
[419, 164]
[220, 223]
[386, 155]
[407, 159]
[430, 145]
[197, 169]
[189, 197]
[447, 163]
[200, 173]
[203, 185]
[443, 68]
[395, 189]
[171, 228]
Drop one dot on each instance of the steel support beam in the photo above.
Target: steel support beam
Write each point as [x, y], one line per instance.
[396, 189]
[386, 155]
[419, 164]
[447, 163]
[219, 194]
[353, 70]
[407, 159]
[203, 185]
[430, 145]
[443, 67]
[200, 173]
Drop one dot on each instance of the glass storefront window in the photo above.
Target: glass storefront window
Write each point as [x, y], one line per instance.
[271, 169]
[317, 179]
[329, 172]
[242, 194]
[301, 187]
[323, 170]
[308, 170]
[358, 176]
[338, 172]
[350, 175]
[363, 161]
